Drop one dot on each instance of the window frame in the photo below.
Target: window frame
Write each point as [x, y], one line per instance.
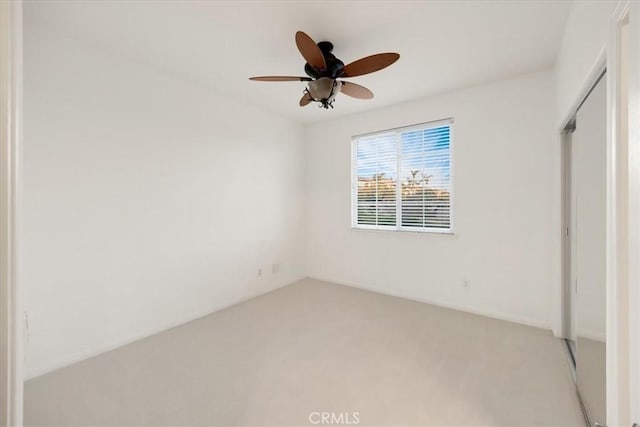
[399, 227]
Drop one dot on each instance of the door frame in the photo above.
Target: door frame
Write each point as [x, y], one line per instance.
[11, 314]
[631, 170]
[623, 237]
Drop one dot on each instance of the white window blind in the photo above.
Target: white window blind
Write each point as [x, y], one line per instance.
[402, 179]
[377, 171]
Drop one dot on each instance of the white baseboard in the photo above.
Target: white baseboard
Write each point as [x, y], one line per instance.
[473, 310]
[37, 371]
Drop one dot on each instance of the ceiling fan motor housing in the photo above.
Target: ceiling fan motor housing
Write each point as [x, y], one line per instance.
[334, 68]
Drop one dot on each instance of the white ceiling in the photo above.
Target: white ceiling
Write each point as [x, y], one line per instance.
[443, 45]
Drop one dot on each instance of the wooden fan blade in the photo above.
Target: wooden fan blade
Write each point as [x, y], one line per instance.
[280, 79]
[305, 100]
[355, 91]
[369, 64]
[310, 51]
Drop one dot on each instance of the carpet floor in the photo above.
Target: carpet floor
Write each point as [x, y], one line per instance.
[316, 353]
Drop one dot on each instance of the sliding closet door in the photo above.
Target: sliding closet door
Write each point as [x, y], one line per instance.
[589, 168]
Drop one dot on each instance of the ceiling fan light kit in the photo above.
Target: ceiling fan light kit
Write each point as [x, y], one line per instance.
[324, 70]
[324, 91]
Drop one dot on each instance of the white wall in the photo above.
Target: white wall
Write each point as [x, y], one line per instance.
[147, 201]
[506, 188]
[581, 53]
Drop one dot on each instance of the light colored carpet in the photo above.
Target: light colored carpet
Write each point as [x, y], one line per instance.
[319, 347]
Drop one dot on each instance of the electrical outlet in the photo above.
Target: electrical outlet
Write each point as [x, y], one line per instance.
[259, 272]
[466, 283]
[275, 268]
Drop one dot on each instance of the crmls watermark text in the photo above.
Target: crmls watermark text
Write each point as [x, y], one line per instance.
[333, 418]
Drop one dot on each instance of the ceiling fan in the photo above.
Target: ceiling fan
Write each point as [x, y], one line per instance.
[324, 70]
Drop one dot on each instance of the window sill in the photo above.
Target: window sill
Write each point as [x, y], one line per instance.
[436, 232]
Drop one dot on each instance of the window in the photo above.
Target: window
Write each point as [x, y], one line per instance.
[402, 179]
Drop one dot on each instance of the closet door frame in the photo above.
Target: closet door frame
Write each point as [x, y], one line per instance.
[11, 314]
